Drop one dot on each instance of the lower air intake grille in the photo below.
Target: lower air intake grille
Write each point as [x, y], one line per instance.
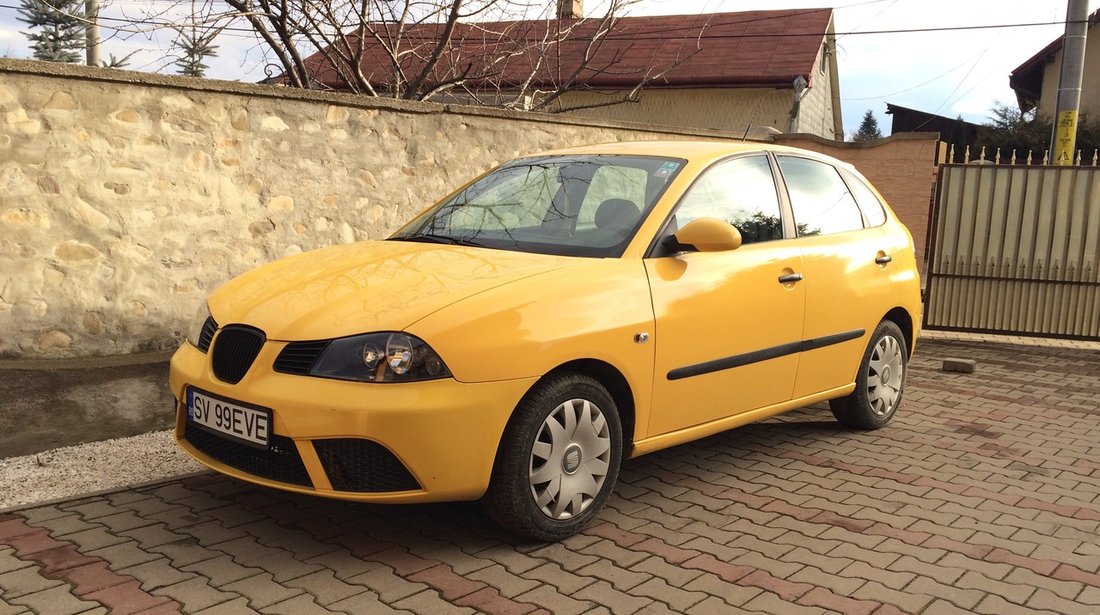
[354, 464]
[235, 348]
[280, 462]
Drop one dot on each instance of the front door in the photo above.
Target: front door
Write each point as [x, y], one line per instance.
[727, 329]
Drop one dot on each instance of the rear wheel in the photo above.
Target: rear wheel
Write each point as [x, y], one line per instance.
[880, 382]
[558, 460]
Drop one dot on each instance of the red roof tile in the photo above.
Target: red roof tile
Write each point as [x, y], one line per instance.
[754, 48]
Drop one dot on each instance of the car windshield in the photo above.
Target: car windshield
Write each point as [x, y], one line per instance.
[567, 205]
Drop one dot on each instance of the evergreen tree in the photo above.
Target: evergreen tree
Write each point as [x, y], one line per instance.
[868, 128]
[1013, 131]
[57, 30]
[194, 47]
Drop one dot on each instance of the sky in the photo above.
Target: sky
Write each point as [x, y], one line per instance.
[948, 73]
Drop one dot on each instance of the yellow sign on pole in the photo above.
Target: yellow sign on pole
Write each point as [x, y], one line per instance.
[1065, 138]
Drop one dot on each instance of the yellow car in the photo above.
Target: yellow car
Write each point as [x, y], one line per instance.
[565, 311]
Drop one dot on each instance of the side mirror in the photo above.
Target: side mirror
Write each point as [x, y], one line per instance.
[707, 235]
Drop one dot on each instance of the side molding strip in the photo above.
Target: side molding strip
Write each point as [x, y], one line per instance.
[765, 354]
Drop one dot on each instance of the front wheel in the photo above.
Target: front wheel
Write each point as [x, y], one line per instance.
[879, 384]
[558, 460]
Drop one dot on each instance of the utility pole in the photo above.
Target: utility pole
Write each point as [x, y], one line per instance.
[91, 31]
[1063, 140]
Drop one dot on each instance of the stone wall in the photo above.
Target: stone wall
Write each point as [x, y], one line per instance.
[126, 197]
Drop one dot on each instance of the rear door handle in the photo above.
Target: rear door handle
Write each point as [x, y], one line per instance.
[882, 260]
[790, 278]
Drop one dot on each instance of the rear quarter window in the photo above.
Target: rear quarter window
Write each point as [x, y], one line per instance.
[866, 198]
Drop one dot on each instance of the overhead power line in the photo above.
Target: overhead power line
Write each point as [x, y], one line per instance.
[693, 32]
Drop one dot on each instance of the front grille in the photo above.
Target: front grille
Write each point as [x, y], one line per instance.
[280, 462]
[207, 333]
[235, 349]
[298, 357]
[354, 464]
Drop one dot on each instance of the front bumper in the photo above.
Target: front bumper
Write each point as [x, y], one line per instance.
[444, 432]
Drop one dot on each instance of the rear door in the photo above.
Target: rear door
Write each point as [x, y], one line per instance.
[845, 287]
[725, 324]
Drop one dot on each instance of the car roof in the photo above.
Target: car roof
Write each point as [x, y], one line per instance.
[694, 151]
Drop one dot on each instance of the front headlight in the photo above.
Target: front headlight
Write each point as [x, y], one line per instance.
[379, 357]
[200, 323]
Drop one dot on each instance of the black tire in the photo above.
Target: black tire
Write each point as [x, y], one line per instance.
[874, 403]
[511, 497]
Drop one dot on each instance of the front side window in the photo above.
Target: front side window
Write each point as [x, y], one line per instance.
[820, 199]
[741, 192]
[568, 205]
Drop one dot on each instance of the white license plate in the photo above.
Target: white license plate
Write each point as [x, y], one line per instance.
[248, 424]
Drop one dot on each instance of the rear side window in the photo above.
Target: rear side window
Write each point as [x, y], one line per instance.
[741, 192]
[820, 199]
[867, 199]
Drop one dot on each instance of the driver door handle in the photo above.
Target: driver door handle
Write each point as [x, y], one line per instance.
[882, 260]
[790, 278]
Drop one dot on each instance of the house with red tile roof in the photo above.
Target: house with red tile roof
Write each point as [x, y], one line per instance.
[1036, 80]
[740, 72]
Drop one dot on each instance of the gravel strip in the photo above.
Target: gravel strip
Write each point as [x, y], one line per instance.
[95, 466]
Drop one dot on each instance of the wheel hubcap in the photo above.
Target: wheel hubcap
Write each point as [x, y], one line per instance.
[885, 373]
[570, 458]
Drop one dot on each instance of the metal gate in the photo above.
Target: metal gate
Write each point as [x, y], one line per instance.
[1016, 250]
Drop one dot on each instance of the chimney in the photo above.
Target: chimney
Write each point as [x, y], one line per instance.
[570, 9]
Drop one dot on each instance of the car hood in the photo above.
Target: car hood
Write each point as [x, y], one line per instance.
[367, 286]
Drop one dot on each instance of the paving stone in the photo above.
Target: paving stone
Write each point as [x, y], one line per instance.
[963, 598]
[390, 587]
[678, 599]
[156, 574]
[66, 524]
[42, 513]
[303, 604]
[618, 602]
[621, 578]
[261, 590]
[566, 582]
[93, 538]
[325, 587]
[366, 602]
[24, 581]
[767, 602]
[195, 594]
[56, 600]
[429, 601]
[9, 562]
[124, 555]
[221, 570]
[1047, 600]
[731, 593]
[185, 552]
[238, 606]
[126, 598]
[556, 602]
[658, 567]
[343, 564]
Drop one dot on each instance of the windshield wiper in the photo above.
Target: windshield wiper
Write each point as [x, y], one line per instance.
[442, 239]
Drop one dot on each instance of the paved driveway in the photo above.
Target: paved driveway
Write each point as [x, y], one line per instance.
[982, 496]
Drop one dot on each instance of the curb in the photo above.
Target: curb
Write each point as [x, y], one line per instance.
[125, 360]
[102, 492]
